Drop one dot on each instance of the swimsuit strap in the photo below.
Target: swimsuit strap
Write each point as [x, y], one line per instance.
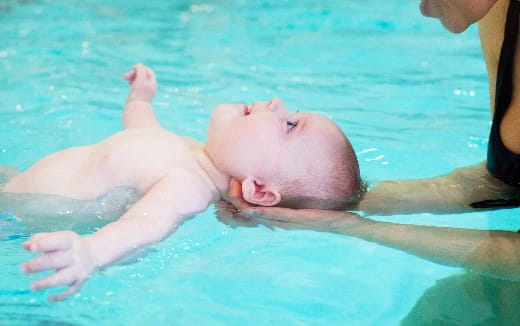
[502, 203]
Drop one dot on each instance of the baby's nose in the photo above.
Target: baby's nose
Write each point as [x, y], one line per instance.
[276, 104]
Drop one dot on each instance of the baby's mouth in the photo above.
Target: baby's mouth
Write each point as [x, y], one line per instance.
[247, 109]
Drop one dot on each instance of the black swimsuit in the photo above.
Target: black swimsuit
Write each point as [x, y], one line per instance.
[502, 163]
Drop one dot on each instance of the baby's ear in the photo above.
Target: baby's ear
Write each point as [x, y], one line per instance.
[259, 194]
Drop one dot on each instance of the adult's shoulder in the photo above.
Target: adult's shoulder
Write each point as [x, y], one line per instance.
[491, 29]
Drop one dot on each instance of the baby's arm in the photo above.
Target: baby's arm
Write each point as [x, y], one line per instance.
[138, 111]
[451, 193]
[156, 215]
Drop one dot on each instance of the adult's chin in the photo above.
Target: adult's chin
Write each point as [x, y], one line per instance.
[450, 17]
[455, 26]
[426, 9]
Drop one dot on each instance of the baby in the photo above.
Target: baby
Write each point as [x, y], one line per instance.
[280, 158]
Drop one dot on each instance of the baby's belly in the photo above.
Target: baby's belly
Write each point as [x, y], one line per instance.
[57, 174]
[131, 158]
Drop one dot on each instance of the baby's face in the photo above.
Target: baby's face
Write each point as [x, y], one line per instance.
[268, 142]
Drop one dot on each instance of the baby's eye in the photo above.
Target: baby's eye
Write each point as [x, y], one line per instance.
[291, 125]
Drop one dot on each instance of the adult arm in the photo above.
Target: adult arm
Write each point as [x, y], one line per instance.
[456, 191]
[494, 253]
[451, 193]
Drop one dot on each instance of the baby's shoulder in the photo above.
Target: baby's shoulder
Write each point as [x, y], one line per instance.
[137, 145]
[147, 137]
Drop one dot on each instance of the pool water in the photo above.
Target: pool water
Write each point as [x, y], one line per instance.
[412, 98]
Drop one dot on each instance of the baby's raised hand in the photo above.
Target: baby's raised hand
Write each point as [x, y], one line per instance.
[65, 252]
[143, 83]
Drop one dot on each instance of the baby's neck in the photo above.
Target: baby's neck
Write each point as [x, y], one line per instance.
[218, 179]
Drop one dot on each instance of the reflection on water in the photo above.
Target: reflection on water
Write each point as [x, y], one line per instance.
[467, 299]
[391, 79]
[35, 318]
[51, 213]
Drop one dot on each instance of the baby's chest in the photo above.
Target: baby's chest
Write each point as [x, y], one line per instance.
[141, 162]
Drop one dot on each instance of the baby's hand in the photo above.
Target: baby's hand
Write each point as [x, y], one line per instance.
[63, 251]
[143, 83]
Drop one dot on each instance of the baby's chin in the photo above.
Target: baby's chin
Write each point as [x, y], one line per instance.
[226, 111]
[222, 118]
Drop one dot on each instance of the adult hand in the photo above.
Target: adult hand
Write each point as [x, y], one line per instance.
[306, 219]
[65, 252]
[310, 219]
[233, 217]
[231, 210]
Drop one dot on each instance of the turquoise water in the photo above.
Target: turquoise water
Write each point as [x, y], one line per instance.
[412, 98]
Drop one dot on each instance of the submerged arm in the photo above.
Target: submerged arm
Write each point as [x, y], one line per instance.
[494, 253]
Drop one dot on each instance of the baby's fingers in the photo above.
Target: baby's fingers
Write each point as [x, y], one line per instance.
[51, 260]
[35, 238]
[130, 76]
[144, 73]
[50, 241]
[150, 74]
[70, 291]
[62, 277]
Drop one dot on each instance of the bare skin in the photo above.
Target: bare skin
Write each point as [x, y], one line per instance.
[456, 15]
[493, 253]
[175, 176]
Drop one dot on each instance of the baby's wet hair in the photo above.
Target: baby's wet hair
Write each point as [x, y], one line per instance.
[337, 186]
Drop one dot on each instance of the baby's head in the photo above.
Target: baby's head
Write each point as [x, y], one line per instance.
[284, 158]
